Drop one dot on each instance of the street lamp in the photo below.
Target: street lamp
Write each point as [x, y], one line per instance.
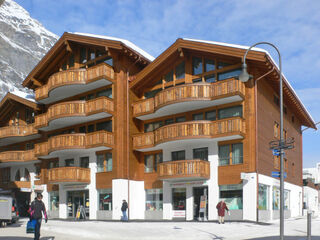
[244, 77]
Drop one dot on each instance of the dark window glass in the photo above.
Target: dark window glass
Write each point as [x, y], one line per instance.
[224, 155]
[209, 65]
[210, 78]
[237, 153]
[107, 126]
[90, 128]
[197, 116]
[108, 157]
[82, 98]
[149, 127]
[82, 129]
[91, 54]
[180, 119]
[17, 177]
[152, 93]
[148, 163]
[197, 80]
[105, 199]
[100, 163]
[159, 82]
[178, 155]
[179, 198]
[210, 115]
[71, 61]
[180, 71]
[229, 112]
[83, 55]
[84, 162]
[223, 64]
[168, 121]
[29, 114]
[169, 76]
[196, 66]
[69, 162]
[90, 96]
[158, 159]
[64, 66]
[29, 146]
[106, 93]
[99, 53]
[229, 74]
[200, 153]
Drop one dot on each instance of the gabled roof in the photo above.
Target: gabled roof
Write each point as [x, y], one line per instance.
[257, 55]
[57, 52]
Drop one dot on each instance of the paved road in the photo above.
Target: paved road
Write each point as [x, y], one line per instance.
[295, 229]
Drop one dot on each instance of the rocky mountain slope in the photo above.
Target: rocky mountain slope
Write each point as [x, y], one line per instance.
[23, 42]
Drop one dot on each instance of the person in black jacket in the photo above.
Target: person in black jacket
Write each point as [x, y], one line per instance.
[36, 210]
[124, 210]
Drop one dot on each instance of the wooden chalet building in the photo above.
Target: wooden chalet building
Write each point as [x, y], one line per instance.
[109, 123]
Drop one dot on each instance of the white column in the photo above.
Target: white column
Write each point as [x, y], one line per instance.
[63, 210]
[137, 200]
[213, 186]
[167, 201]
[189, 203]
[250, 197]
[270, 202]
[93, 193]
[119, 193]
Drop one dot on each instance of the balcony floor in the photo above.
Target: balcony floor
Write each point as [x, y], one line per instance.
[73, 152]
[18, 139]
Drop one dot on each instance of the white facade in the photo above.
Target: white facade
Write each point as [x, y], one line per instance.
[313, 173]
[311, 199]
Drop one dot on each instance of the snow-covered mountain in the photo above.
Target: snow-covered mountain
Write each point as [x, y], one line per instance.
[23, 42]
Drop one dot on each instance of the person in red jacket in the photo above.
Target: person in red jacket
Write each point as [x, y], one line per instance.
[221, 207]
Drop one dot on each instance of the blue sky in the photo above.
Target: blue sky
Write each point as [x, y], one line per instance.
[293, 26]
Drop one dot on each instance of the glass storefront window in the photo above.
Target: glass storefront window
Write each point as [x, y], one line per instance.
[286, 194]
[154, 199]
[276, 198]
[54, 201]
[179, 198]
[263, 197]
[232, 195]
[105, 199]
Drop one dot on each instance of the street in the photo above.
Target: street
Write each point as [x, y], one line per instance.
[295, 229]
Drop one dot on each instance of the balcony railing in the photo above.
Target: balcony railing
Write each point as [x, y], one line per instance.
[18, 156]
[189, 92]
[189, 130]
[191, 169]
[69, 174]
[75, 141]
[74, 109]
[17, 131]
[76, 76]
[16, 184]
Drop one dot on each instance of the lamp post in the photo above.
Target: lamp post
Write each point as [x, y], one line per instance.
[244, 77]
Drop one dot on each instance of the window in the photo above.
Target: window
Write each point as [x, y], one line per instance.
[197, 116]
[210, 78]
[275, 198]
[105, 199]
[107, 126]
[53, 164]
[210, 115]
[209, 65]
[17, 177]
[263, 197]
[26, 175]
[82, 129]
[232, 195]
[169, 77]
[151, 162]
[151, 94]
[178, 155]
[5, 175]
[231, 154]
[196, 65]
[84, 162]
[149, 127]
[71, 61]
[197, 80]
[69, 162]
[276, 100]
[180, 71]
[229, 74]
[179, 198]
[29, 114]
[154, 199]
[90, 128]
[286, 194]
[276, 129]
[29, 146]
[104, 162]
[200, 153]
[54, 201]
[83, 55]
[107, 60]
[229, 112]
[168, 121]
[223, 64]
[106, 93]
[180, 119]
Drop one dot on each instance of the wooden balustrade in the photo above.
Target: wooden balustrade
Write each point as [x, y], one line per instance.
[189, 130]
[74, 109]
[75, 141]
[75, 76]
[18, 156]
[184, 169]
[17, 131]
[69, 174]
[189, 92]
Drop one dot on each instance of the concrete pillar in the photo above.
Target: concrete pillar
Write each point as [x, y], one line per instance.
[167, 201]
[63, 208]
[119, 193]
[250, 197]
[189, 203]
[213, 187]
[93, 193]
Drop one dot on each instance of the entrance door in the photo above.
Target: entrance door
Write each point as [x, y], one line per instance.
[197, 193]
[77, 199]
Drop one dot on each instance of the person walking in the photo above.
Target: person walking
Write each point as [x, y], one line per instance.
[221, 207]
[36, 210]
[124, 208]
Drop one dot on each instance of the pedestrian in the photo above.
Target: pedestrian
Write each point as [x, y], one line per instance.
[36, 210]
[124, 208]
[221, 207]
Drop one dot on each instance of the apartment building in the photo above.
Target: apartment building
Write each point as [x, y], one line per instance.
[171, 135]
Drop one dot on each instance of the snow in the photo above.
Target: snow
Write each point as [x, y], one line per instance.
[259, 50]
[125, 42]
[27, 96]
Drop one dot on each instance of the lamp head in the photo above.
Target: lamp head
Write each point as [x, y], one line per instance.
[244, 75]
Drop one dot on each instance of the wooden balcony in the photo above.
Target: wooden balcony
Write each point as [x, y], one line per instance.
[18, 156]
[74, 112]
[16, 184]
[15, 134]
[69, 174]
[190, 130]
[75, 141]
[70, 78]
[184, 169]
[191, 93]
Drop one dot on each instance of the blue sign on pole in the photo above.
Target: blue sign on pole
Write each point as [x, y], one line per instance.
[277, 174]
[276, 152]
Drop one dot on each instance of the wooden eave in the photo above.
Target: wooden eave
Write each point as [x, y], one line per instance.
[60, 49]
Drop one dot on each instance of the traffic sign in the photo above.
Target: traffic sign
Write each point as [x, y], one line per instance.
[277, 174]
[276, 152]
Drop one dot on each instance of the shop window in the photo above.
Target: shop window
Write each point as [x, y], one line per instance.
[275, 198]
[286, 194]
[154, 199]
[84, 162]
[151, 162]
[179, 198]
[26, 175]
[105, 199]
[104, 162]
[211, 115]
[232, 195]
[231, 154]
[200, 153]
[69, 162]
[197, 116]
[263, 197]
[106, 93]
[107, 126]
[17, 176]
[196, 65]
[54, 201]
[229, 112]
[229, 74]
[178, 155]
